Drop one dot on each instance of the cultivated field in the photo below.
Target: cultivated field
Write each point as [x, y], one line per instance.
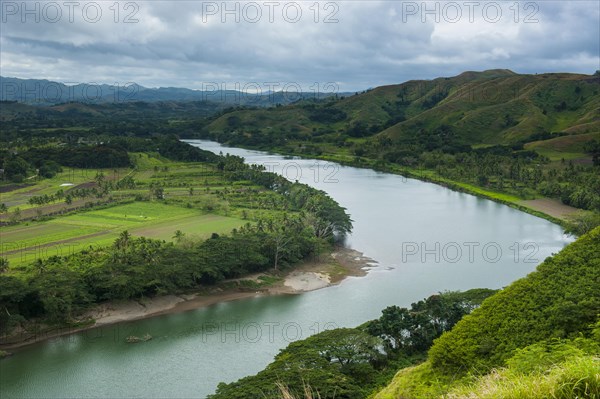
[24, 243]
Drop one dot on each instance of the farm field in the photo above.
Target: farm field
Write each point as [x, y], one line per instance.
[22, 244]
[65, 180]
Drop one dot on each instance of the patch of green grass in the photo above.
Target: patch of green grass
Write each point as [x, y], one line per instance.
[24, 243]
[573, 379]
[71, 176]
[416, 382]
[564, 147]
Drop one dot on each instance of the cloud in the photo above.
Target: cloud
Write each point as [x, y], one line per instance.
[357, 44]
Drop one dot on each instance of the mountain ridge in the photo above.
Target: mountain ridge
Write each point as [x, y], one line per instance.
[48, 92]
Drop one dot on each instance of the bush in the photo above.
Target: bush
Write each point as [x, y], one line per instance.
[559, 300]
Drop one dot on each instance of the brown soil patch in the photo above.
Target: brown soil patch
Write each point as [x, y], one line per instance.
[552, 207]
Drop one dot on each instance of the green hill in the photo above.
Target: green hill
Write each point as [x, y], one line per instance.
[490, 107]
[502, 135]
[537, 332]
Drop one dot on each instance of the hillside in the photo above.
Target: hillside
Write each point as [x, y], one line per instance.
[482, 108]
[530, 141]
[537, 331]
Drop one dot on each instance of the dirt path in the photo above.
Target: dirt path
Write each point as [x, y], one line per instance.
[552, 207]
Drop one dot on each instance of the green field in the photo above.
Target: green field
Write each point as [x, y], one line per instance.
[65, 180]
[24, 243]
[565, 147]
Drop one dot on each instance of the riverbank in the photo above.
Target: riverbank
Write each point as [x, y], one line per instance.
[545, 208]
[321, 272]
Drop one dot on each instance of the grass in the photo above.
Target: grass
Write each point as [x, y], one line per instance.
[577, 378]
[564, 147]
[416, 382]
[24, 243]
[74, 176]
[215, 205]
[574, 378]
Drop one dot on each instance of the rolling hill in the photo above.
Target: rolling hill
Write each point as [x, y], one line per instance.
[479, 108]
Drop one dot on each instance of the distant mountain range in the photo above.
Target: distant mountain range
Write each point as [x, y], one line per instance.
[46, 92]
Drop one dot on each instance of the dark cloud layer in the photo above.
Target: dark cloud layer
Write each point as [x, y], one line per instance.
[357, 44]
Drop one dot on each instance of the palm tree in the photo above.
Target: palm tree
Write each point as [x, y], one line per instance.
[39, 266]
[3, 265]
[123, 241]
[179, 235]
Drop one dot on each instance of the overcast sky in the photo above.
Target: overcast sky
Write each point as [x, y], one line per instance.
[355, 44]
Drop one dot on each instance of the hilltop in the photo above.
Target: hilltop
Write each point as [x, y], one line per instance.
[483, 108]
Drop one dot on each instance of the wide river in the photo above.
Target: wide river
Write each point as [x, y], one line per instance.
[425, 238]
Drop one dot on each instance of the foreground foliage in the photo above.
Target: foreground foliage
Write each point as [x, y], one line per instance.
[349, 363]
[560, 299]
[538, 338]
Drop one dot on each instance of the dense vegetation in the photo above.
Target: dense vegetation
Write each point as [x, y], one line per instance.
[542, 333]
[47, 160]
[58, 288]
[561, 299]
[350, 363]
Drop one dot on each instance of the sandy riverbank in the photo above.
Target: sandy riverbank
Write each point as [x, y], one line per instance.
[322, 272]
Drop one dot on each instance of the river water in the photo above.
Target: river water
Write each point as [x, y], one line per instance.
[425, 238]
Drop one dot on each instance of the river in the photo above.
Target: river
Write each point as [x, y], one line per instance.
[425, 238]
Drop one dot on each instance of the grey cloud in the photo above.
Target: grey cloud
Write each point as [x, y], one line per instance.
[372, 44]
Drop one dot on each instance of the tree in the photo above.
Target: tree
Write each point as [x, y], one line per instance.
[179, 235]
[3, 265]
[99, 178]
[280, 240]
[39, 265]
[14, 167]
[122, 243]
[158, 192]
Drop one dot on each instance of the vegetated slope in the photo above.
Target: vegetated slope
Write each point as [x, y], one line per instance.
[490, 107]
[560, 300]
[12, 111]
[509, 109]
